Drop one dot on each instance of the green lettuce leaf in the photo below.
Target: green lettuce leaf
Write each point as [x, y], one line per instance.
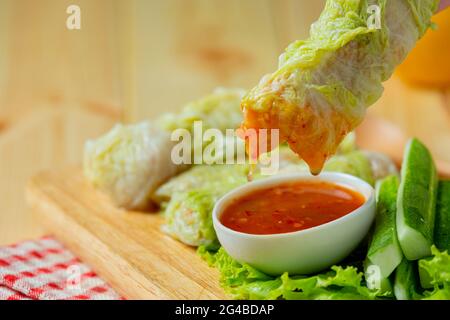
[437, 268]
[442, 293]
[434, 274]
[242, 281]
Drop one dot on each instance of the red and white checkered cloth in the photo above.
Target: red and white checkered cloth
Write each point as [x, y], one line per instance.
[44, 270]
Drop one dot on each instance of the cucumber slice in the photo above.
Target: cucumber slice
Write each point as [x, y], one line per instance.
[441, 228]
[374, 279]
[416, 201]
[442, 225]
[406, 281]
[384, 249]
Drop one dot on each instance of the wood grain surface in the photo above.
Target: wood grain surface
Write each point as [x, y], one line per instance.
[57, 89]
[131, 60]
[183, 49]
[126, 248]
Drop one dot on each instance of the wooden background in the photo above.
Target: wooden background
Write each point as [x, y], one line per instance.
[132, 59]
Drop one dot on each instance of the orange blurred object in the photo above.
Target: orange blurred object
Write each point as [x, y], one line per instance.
[429, 63]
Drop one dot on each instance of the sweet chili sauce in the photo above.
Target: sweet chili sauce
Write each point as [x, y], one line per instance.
[290, 207]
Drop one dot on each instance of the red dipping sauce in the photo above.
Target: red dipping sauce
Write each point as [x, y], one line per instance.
[290, 207]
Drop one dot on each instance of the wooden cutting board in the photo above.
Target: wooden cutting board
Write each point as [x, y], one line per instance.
[127, 249]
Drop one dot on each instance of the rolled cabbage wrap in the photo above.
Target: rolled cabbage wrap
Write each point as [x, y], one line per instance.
[188, 214]
[210, 177]
[324, 84]
[131, 161]
[219, 110]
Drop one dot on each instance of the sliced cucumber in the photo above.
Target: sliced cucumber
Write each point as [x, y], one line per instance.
[441, 228]
[406, 281]
[374, 279]
[442, 225]
[384, 249]
[416, 201]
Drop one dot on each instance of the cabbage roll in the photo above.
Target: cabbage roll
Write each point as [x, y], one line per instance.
[131, 161]
[212, 177]
[188, 214]
[219, 110]
[324, 84]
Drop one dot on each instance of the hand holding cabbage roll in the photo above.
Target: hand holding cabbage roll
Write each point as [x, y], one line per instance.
[324, 84]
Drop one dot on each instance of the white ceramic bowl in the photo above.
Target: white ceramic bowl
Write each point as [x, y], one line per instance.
[300, 252]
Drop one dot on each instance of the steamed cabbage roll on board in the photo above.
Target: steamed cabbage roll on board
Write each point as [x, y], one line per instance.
[212, 177]
[191, 198]
[219, 110]
[131, 161]
[324, 84]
